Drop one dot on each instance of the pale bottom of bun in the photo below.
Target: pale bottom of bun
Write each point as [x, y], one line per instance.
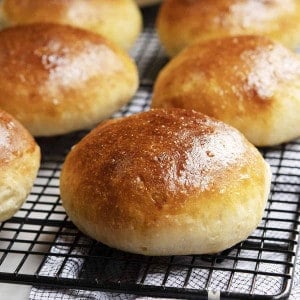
[97, 107]
[219, 223]
[278, 125]
[16, 181]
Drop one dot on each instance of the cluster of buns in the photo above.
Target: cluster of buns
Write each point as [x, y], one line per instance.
[232, 64]
[168, 181]
[62, 69]
[174, 181]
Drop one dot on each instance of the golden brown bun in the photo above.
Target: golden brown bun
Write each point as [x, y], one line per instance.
[165, 182]
[118, 20]
[182, 22]
[19, 163]
[55, 78]
[248, 82]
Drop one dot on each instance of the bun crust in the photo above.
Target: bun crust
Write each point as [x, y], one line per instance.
[248, 82]
[183, 22]
[19, 163]
[118, 20]
[165, 182]
[55, 78]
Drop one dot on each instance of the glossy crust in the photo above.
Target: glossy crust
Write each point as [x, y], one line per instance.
[56, 78]
[165, 182]
[117, 20]
[19, 163]
[248, 82]
[183, 22]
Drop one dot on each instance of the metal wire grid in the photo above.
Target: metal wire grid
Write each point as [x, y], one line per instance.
[39, 245]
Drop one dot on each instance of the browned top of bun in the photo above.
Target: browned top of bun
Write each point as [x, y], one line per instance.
[219, 13]
[202, 20]
[14, 139]
[117, 20]
[130, 170]
[20, 11]
[39, 55]
[234, 79]
[49, 70]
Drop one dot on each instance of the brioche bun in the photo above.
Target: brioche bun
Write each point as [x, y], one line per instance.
[183, 22]
[118, 20]
[19, 163]
[249, 82]
[56, 78]
[165, 182]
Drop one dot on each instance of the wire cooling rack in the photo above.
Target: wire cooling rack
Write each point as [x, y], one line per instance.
[40, 246]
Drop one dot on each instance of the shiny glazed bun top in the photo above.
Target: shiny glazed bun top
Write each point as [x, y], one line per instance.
[183, 22]
[249, 82]
[165, 182]
[56, 78]
[19, 163]
[117, 20]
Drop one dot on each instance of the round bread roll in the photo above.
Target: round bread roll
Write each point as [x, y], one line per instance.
[249, 82]
[118, 20]
[165, 182]
[56, 78]
[19, 163]
[183, 22]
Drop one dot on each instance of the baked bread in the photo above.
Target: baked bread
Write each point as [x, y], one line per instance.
[19, 163]
[56, 78]
[165, 182]
[183, 22]
[118, 20]
[249, 82]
